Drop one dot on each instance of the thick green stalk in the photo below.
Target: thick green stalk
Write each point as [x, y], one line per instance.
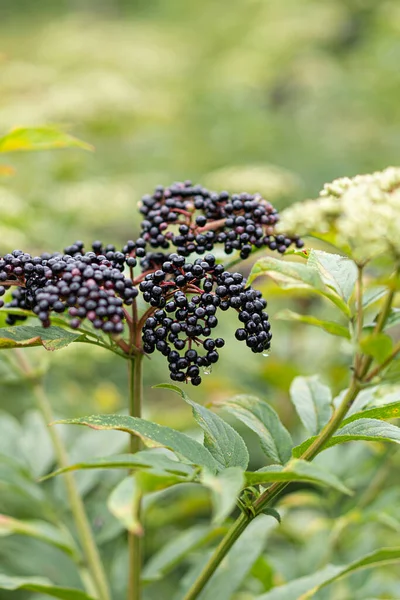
[135, 410]
[85, 534]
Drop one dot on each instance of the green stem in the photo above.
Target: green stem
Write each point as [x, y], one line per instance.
[222, 549]
[84, 531]
[135, 410]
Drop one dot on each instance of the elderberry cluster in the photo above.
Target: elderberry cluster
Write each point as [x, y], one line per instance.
[87, 285]
[200, 219]
[184, 298]
[187, 297]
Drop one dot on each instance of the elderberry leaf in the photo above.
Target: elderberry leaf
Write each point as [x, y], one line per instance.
[379, 346]
[329, 326]
[176, 550]
[153, 435]
[372, 295]
[370, 430]
[261, 418]
[296, 470]
[386, 411]
[312, 401]
[124, 504]
[337, 272]
[225, 488]
[295, 275]
[22, 336]
[39, 138]
[223, 442]
[272, 513]
[40, 530]
[306, 587]
[41, 585]
[288, 274]
[145, 459]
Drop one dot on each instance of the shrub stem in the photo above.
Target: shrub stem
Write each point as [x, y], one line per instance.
[135, 410]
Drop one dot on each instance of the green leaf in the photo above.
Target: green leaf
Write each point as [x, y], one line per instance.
[145, 459]
[393, 318]
[41, 585]
[337, 272]
[225, 488]
[150, 481]
[370, 430]
[306, 587]
[288, 274]
[296, 470]
[386, 411]
[261, 418]
[39, 138]
[124, 504]
[379, 346]
[176, 550]
[313, 402]
[329, 326]
[222, 441]
[152, 434]
[239, 560]
[271, 512]
[22, 336]
[296, 275]
[40, 530]
[372, 295]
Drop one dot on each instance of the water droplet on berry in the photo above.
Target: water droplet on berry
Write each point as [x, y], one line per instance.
[207, 370]
[266, 354]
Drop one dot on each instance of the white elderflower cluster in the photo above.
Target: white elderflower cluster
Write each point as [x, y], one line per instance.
[360, 213]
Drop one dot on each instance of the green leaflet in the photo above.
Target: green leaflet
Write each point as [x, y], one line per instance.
[313, 402]
[296, 470]
[40, 530]
[225, 488]
[223, 442]
[23, 336]
[370, 430]
[261, 418]
[41, 585]
[153, 435]
[45, 137]
[306, 587]
[329, 326]
[145, 459]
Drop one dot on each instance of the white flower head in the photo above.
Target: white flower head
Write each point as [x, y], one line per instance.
[361, 213]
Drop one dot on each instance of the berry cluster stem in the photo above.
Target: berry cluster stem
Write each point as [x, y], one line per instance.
[91, 553]
[135, 410]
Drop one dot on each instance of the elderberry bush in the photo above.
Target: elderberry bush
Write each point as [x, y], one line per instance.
[184, 298]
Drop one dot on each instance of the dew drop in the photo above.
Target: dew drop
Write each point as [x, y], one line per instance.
[207, 370]
[266, 354]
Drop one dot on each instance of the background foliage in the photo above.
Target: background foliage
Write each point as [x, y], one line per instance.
[272, 96]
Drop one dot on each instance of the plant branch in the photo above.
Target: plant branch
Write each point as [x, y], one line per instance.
[84, 531]
[363, 364]
[270, 494]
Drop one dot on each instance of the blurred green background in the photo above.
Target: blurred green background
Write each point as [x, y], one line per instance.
[258, 95]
